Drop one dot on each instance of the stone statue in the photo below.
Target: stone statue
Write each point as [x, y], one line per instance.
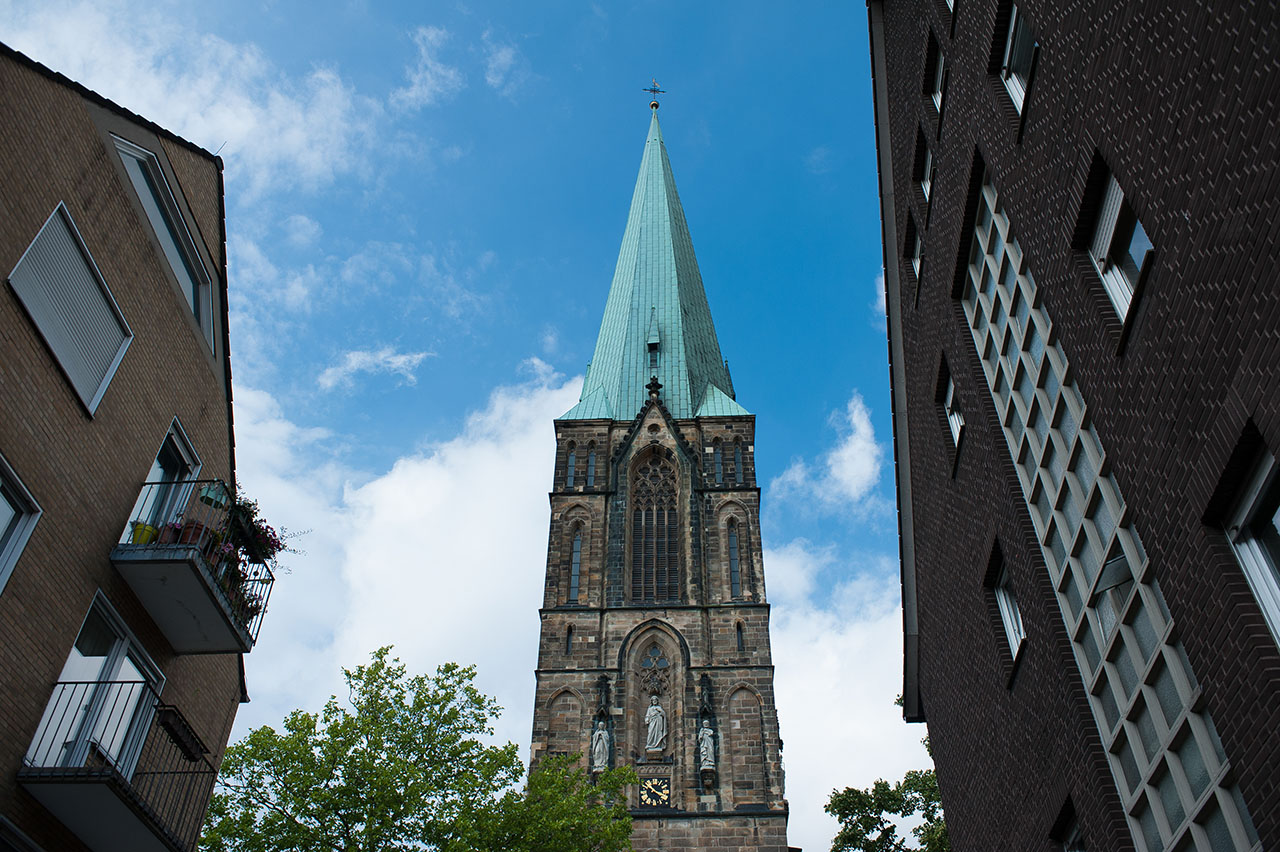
[706, 746]
[656, 720]
[600, 748]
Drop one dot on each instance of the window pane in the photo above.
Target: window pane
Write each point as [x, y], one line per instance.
[153, 204]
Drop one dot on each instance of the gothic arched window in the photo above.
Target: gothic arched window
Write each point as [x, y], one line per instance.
[591, 465]
[735, 572]
[655, 533]
[737, 462]
[570, 465]
[575, 567]
[719, 458]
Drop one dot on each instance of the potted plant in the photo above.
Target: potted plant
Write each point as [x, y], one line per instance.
[249, 534]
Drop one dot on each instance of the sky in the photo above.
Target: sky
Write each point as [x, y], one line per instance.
[425, 203]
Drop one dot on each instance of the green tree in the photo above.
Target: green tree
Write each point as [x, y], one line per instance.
[403, 768]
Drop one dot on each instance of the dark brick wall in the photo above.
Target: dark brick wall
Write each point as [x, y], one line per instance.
[700, 633]
[85, 471]
[1181, 104]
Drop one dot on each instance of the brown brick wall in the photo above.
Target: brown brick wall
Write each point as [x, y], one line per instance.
[85, 471]
[1181, 103]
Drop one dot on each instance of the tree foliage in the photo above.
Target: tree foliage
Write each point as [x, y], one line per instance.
[866, 816]
[404, 768]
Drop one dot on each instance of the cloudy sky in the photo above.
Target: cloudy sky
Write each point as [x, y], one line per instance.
[424, 207]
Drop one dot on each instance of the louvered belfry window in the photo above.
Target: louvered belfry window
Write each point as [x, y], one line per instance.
[655, 533]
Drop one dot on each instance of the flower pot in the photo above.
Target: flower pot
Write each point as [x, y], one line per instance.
[143, 533]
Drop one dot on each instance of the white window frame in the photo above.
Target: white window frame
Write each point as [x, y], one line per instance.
[939, 78]
[158, 506]
[955, 417]
[1019, 43]
[1260, 563]
[14, 536]
[1104, 252]
[86, 724]
[917, 252]
[177, 245]
[1010, 616]
[26, 283]
[926, 173]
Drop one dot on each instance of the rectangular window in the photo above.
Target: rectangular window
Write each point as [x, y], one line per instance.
[103, 702]
[171, 232]
[64, 294]
[1019, 49]
[955, 418]
[926, 173]
[18, 516]
[1010, 615]
[1120, 248]
[937, 81]
[1254, 532]
[913, 249]
[165, 490]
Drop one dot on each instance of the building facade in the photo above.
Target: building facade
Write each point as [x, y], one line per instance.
[654, 649]
[124, 617]
[1079, 205]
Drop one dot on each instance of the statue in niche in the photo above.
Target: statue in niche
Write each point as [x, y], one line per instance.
[600, 748]
[706, 746]
[656, 720]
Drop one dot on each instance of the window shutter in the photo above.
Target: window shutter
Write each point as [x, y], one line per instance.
[63, 292]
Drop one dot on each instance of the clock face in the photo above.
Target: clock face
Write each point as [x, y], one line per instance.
[655, 792]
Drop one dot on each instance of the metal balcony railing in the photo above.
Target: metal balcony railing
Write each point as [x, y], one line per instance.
[199, 515]
[118, 733]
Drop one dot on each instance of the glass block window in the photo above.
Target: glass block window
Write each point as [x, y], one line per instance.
[1169, 766]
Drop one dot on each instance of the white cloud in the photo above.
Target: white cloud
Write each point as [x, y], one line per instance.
[550, 339]
[818, 161]
[420, 556]
[301, 231]
[847, 475]
[877, 305]
[384, 360]
[838, 668]
[430, 80]
[275, 131]
[505, 69]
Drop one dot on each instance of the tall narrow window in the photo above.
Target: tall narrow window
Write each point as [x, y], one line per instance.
[171, 232]
[570, 467]
[935, 73]
[718, 456]
[165, 490]
[575, 567]
[1254, 532]
[653, 358]
[1120, 248]
[568, 639]
[951, 408]
[1010, 615]
[926, 173]
[18, 516]
[738, 474]
[591, 466]
[1019, 50]
[735, 574]
[655, 533]
[742, 645]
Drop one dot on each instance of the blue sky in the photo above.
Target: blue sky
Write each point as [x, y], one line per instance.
[424, 207]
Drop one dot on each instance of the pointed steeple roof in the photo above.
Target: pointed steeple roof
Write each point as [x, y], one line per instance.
[657, 309]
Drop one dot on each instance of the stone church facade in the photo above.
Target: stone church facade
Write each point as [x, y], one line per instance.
[654, 647]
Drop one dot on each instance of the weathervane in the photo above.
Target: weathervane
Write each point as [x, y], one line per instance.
[654, 91]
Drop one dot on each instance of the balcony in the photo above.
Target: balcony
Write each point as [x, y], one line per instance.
[186, 562]
[121, 770]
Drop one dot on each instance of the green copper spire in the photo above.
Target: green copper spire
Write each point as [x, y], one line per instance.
[656, 319]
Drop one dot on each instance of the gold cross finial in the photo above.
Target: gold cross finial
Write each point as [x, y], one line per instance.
[654, 91]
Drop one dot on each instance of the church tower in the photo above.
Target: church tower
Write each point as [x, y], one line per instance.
[654, 648]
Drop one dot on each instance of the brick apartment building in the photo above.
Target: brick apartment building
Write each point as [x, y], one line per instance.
[1079, 207]
[123, 618]
[654, 649]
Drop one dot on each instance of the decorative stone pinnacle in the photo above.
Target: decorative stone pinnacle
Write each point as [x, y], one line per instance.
[653, 387]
